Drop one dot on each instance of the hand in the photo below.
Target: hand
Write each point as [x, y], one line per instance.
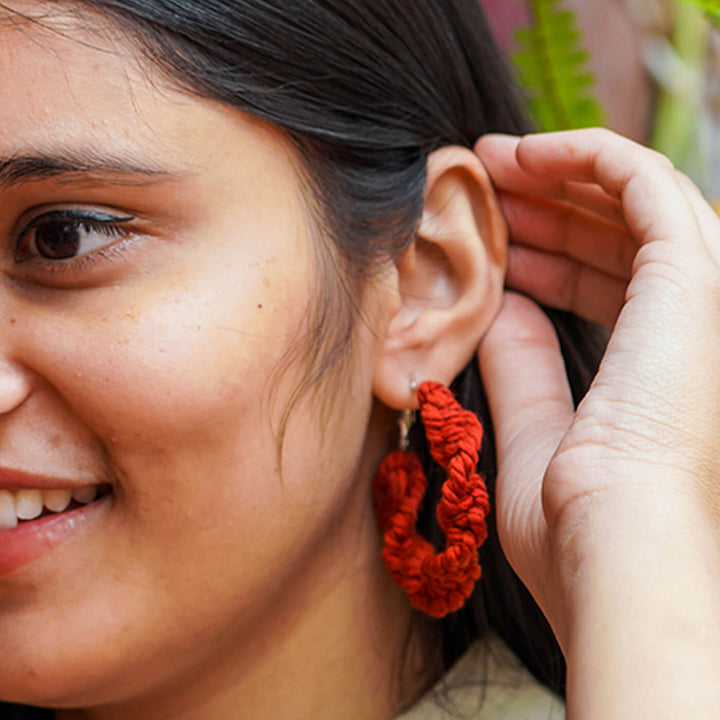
[611, 513]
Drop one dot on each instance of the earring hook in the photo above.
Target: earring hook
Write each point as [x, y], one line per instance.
[406, 421]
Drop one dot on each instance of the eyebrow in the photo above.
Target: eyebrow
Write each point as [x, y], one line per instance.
[81, 167]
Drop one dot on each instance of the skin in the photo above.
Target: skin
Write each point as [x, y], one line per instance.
[610, 512]
[209, 292]
[208, 575]
[147, 364]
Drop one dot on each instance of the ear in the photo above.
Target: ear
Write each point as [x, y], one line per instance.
[448, 286]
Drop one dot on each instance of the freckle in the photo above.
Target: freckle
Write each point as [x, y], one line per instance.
[13, 321]
[266, 282]
[259, 306]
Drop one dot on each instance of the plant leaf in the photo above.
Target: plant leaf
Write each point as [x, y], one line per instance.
[551, 65]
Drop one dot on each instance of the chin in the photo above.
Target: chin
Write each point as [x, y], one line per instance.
[48, 678]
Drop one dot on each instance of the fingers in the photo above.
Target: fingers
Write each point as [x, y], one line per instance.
[707, 218]
[654, 206]
[563, 228]
[566, 284]
[531, 406]
[499, 155]
[524, 374]
[590, 200]
[578, 252]
[568, 258]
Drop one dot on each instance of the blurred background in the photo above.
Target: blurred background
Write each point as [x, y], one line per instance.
[649, 69]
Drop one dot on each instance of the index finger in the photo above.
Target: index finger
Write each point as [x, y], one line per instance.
[498, 154]
[654, 204]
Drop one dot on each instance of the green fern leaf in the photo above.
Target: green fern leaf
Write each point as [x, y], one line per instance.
[551, 67]
[711, 7]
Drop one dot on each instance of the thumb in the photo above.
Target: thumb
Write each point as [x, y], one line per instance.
[532, 408]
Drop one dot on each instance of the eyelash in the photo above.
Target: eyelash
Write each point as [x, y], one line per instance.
[110, 226]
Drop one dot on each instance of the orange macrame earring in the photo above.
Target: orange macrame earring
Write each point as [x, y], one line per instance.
[436, 583]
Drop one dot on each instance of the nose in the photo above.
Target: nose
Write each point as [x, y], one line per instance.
[14, 386]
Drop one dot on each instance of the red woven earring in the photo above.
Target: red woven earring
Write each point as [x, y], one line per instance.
[436, 583]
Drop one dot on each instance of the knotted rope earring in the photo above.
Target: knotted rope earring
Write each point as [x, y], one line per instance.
[436, 583]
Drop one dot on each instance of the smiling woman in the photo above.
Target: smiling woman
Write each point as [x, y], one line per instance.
[145, 312]
[235, 239]
[183, 287]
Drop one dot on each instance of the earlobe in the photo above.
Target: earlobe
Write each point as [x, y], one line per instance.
[449, 282]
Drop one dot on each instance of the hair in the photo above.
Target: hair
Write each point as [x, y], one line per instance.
[366, 90]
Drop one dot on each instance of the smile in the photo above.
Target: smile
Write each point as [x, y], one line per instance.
[33, 521]
[28, 504]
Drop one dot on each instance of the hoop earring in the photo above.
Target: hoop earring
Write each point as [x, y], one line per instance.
[436, 583]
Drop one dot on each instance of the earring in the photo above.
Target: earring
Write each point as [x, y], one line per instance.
[436, 583]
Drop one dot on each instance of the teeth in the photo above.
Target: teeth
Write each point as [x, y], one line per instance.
[8, 518]
[85, 495]
[28, 504]
[56, 500]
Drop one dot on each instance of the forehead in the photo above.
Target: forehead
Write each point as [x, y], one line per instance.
[74, 93]
[59, 76]
[16, 13]
[72, 85]
[71, 82]
[61, 29]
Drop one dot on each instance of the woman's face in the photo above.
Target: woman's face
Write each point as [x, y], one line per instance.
[156, 269]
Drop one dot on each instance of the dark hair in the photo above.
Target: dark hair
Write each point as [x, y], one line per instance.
[366, 89]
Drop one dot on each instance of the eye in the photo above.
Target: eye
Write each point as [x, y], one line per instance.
[66, 234]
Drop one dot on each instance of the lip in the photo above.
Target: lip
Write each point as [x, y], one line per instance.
[11, 479]
[30, 540]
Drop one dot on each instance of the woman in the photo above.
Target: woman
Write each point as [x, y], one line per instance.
[237, 236]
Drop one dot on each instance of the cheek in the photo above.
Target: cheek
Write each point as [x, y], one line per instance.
[173, 375]
[204, 533]
[147, 363]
